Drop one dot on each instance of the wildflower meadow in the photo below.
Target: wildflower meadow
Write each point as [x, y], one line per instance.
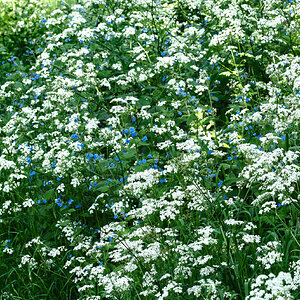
[149, 149]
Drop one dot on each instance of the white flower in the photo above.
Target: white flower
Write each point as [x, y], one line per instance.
[28, 203]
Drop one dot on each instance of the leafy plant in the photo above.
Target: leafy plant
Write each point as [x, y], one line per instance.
[150, 150]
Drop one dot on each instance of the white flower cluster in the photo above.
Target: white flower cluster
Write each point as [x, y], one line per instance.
[115, 137]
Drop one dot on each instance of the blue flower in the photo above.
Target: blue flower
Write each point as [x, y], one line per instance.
[131, 130]
[144, 139]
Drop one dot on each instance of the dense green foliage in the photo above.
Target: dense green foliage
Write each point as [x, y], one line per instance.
[150, 149]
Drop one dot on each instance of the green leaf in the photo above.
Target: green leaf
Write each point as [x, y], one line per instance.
[129, 154]
[49, 194]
